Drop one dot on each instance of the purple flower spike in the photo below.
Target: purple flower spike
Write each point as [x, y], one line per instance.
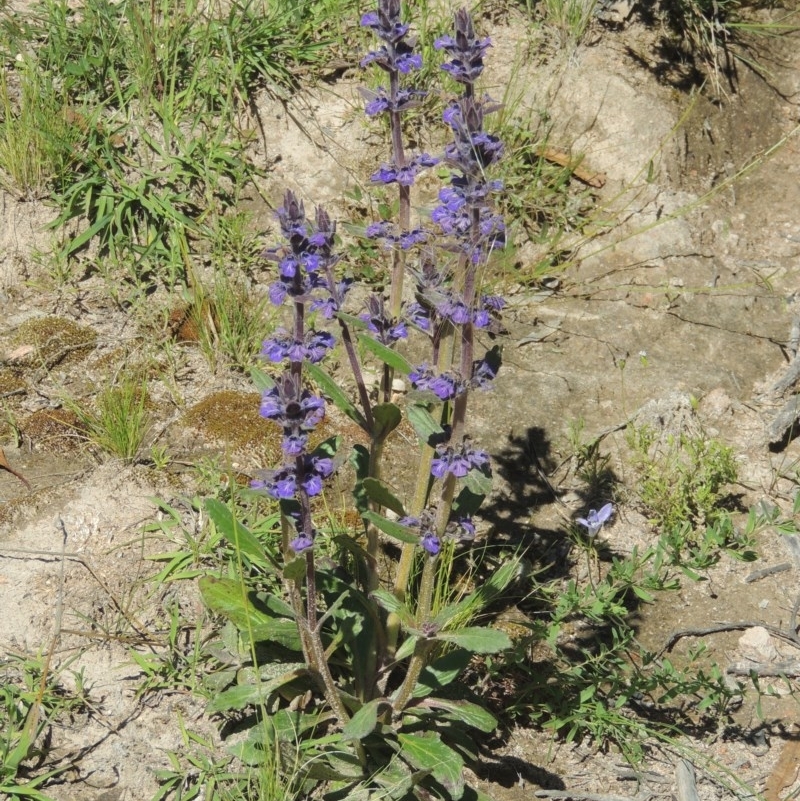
[595, 521]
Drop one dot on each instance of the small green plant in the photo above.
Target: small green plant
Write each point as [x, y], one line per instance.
[230, 322]
[715, 34]
[569, 18]
[38, 138]
[543, 195]
[31, 700]
[682, 479]
[119, 421]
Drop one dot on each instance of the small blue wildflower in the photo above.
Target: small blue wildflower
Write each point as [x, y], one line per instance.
[431, 543]
[404, 175]
[444, 385]
[466, 50]
[461, 529]
[279, 484]
[419, 317]
[482, 374]
[457, 462]
[595, 521]
[289, 406]
[302, 542]
[294, 444]
[385, 22]
[387, 331]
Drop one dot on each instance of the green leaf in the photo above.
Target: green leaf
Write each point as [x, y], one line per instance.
[352, 320]
[477, 482]
[423, 423]
[642, 593]
[386, 355]
[328, 447]
[330, 388]
[477, 640]
[409, 643]
[378, 492]
[363, 722]
[261, 379]
[236, 533]
[464, 712]
[227, 597]
[441, 672]
[467, 502]
[427, 752]
[387, 417]
[296, 569]
[90, 232]
[392, 604]
[390, 527]
[251, 694]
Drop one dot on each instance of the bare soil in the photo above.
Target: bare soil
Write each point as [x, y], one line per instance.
[688, 303]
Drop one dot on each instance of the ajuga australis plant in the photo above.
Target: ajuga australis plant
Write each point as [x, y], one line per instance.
[364, 638]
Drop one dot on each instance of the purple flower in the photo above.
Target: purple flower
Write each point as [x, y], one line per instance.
[283, 346]
[292, 407]
[594, 521]
[461, 529]
[419, 317]
[315, 469]
[280, 483]
[292, 216]
[465, 49]
[482, 374]
[318, 343]
[405, 175]
[294, 444]
[387, 330]
[457, 462]
[302, 542]
[410, 238]
[445, 386]
[431, 543]
[385, 22]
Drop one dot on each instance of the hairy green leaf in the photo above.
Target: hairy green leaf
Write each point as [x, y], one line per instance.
[378, 492]
[441, 672]
[390, 527]
[423, 422]
[386, 355]
[428, 752]
[229, 598]
[329, 387]
[387, 417]
[236, 533]
[477, 640]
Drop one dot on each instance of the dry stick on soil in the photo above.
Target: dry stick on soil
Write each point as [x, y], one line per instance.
[787, 636]
[4, 465]
[772, 670]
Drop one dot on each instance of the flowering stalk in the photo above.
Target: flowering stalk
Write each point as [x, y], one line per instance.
[450, 310]
[302, 266]
[396, 57]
